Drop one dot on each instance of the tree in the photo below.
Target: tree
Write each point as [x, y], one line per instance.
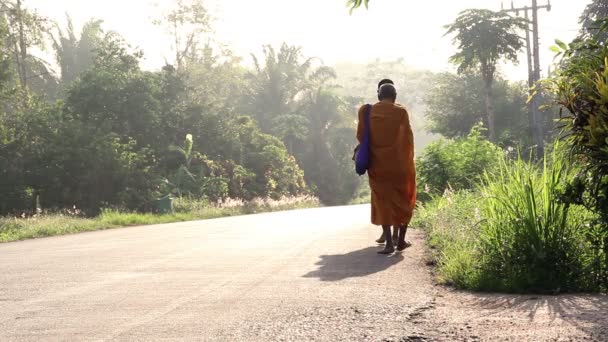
[76, 54]
[454, 106]
[277, 85]
[590, 20]
[26, 29]
[108, 142]
[186, 22]
[116, 95]
[327, 168]
[5, 59]
[484, 38]
[298, 102]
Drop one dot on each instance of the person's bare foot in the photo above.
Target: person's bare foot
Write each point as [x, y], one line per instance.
[403, 245]
[387, 250]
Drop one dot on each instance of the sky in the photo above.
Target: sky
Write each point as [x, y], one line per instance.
[390, 29]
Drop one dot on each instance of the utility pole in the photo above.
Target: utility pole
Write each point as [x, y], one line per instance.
[533, 52]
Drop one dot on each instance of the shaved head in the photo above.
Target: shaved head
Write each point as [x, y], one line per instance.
[387, 92]
[385, 81]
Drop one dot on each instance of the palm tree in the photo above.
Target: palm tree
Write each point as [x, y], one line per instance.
[484, 38]
[280, 84]
[276, 84]
[76, 54]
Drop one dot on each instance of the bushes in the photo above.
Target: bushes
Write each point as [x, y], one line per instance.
[514, 234]
[112, 143]
[457, 164]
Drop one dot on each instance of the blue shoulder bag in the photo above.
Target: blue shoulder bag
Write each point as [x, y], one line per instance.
[362, 153]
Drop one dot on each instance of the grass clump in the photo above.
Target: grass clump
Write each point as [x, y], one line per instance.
[450, 221]
[528, 239]
[513, 233]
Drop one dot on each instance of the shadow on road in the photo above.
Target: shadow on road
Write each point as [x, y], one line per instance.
[585, 312]
[354, 264]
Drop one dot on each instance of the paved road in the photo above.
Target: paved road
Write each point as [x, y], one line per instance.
[293, 276]
[302, 275]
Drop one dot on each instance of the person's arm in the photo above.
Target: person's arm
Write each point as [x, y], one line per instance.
[361, 124]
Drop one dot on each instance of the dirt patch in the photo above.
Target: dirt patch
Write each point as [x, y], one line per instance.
[462, 316]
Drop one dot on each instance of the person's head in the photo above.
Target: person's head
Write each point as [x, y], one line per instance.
[387, 92]
[385, 81]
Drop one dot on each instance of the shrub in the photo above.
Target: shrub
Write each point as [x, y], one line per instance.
[581, 87]
[456, 164]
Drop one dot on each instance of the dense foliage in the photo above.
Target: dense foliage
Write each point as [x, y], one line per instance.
[103, 133]
[484, 38]
[591, 20]
[581, 87]
[528, 240]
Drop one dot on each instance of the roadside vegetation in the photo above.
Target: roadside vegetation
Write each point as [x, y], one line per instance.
[113, 142]
[504, 219]
[72, 221]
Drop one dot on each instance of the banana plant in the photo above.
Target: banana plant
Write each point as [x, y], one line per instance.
[179, 181]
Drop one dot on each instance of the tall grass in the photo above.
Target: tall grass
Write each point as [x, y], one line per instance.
[513, 234]
[527, 240]
[453, 236]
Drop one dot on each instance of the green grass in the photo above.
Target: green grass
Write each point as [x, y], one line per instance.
[15, 229]
[528, 242]
[450, 221]
[513, 234]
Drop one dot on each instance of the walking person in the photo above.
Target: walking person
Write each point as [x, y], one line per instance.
[381, 239]
[392, 173]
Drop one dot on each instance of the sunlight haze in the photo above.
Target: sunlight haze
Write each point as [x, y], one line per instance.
[390, 29]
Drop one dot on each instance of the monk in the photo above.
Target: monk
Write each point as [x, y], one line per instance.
[392, 172]
[381, 240]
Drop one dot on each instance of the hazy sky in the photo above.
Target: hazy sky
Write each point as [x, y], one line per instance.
[410, 29]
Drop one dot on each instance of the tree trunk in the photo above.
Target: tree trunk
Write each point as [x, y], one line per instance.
[490, 111]
[22, 48]
[289, 145]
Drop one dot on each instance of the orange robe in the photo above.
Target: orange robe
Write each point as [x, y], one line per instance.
[392, 172]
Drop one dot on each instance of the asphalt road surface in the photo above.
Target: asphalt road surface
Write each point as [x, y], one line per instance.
[291, 276]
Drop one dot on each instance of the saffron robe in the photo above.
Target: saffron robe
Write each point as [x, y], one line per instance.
[392, 170]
